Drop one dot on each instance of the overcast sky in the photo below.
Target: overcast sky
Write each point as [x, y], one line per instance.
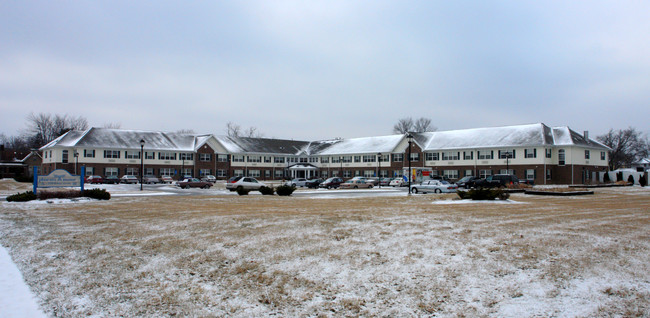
[312, 70]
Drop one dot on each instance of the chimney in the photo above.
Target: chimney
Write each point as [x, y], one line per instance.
[586, 134]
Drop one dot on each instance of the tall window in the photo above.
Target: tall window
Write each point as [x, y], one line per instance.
[561, 157]
[587, 154]
[549, 153]
[602, 155]
[530, 174]
[468, 155]
[64, 156]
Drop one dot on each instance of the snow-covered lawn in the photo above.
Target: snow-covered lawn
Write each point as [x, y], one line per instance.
[424, 255]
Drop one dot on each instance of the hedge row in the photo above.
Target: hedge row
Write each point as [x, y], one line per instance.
[99, 194]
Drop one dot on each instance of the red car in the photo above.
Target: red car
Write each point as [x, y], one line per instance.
[94, 179]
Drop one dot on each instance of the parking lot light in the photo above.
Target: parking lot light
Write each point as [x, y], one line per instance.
[141, 162]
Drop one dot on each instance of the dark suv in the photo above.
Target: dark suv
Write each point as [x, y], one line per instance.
[497, 180]
[331, 183]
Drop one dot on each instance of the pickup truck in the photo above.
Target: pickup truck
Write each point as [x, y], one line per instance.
[193, 183]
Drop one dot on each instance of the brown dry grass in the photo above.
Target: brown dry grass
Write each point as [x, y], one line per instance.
[375, 256]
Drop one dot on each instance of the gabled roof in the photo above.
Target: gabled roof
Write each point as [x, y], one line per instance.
[565, 136]
[261, 145]
[383, 144]
[491, 137]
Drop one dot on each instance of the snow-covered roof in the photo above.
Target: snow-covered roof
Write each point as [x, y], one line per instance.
[383, 144]
[126, 139]
[565, 136]
[492, 137]
[261, 145]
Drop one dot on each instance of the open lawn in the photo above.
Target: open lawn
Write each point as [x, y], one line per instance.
[425, 255]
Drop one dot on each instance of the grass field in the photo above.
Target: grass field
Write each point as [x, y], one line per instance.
[425, 255]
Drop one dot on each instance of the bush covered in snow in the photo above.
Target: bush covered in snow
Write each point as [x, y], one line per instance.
[242, 191]
[267, 190]
[22, 197]
[99, 194]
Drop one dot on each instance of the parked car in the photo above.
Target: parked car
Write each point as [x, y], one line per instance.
[297, 182]
[111, 180]
[249, 183]
[94, 179]
[496, 181]
[331, 183]
[355, 184]
[397, 182]
[166, 179]
[150, 180]
[193, 183]
[373, 181]
[435, 186]
[313, 183]
[467, 182]
[209, 178]
[129, 179]
[385, 181]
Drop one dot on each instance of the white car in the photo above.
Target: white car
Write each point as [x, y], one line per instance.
[248, 183]
[297, 182]
[209, 178]
[129, 179]
[397, 182]
[436, 186]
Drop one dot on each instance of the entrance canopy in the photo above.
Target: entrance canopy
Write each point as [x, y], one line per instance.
[302, 170]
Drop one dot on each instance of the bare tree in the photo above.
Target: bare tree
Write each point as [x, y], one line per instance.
[112, 125]
[627, 146]
[407, 124]
[232, 129]
[43, 128]
[423, 125]
[403, 126]
[252, 132]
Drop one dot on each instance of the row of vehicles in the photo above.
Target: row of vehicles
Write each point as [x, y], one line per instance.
[126, 179]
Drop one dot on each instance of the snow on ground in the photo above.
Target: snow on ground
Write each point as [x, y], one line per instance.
[16, 300]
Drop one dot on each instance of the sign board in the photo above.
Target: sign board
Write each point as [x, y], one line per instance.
[58, 179]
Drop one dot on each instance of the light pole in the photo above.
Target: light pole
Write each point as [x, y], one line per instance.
[341, 161]
[76, 160]
[141, 162]
[508, 156]
[409, 137]
[378, 163]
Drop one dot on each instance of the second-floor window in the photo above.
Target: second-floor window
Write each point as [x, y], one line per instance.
[111, 154]
[132, 154]
[89, 153]
[166, 156]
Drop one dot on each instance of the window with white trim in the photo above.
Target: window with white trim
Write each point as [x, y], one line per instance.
[222, 158]
[132, 154]
[506, 154]
[530, 153]
[238, 173]
[485, 154]
[111, 171]
[238, 158]
[132, 171]
[64, 156]
[89, 153]
[561, 157]
[347, 174]
[450, 174]
[549, 153]
[530, 174]
[221, 173]
[368, 173]
[90, 171]
[469, 172]
[415, 156]
[369, 158]
[254, 173]
[357, 158]
[166, 156]
[186, 156]
[278, 159]
[278, 174]
[324, 159]
[398, 173]
[205, 172]
[254, 158]
[603, 155]
[149, 155]
[507, 171]
[468, 155]
[166, 172]
[205, 157]
[450, 155]
[432, 156]
[347, 159]
[336, 159]
[484, 173]
[268, 159]
[148, 171]
[587, 154]
[313, 159]
[112, 154]
[398, 157]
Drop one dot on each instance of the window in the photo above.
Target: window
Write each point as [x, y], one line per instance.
[238, 173]
[278, 159]
[469, 173]
[166, 172]
[357, 158]
[347, 159]
[45, 155]
[222, 158]
[88, 153]
[548, 174]
[132, 171]
[267, 159]
[204, 172]
[450, 174]
[222, 173]
[324, 159]
[267, 174]
[530, 153]
[508, 171]
[313, 159]
[335, 173]
[432, 156]
[90, 171]
[186, 156]
[347, 174]
[303, 159]
[549, 153]
[485, 154]
[148, 172]
[398, 157]
[357, 173]
[111, 154]
[278, 174]
[484, 173]
[111, 171]
[398, 173]
[561, 157]
[166, 156]
[149, 155]
[187, 172]
[383, 173]
[205, 157]
[132, 155]
[336, 159]
[64, 156]
[587, 154]
[505, 154]
[238, 158]
[415, 156]
[254, 173]
[530, 174]
[369, 158]
[324, 174]
[468, 155]
[254, 158]
[384, 158]
[368, 173]
[602, 155]
[450, 155]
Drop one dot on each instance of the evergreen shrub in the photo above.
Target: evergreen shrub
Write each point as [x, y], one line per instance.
[267, 191]
[484, 194]
[242, 191]
[285, 190]
[99, 194]
[22, 197]
[630, 179]
[643, 181]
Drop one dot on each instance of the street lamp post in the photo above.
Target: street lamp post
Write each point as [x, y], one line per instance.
[409, 137]
[341, 162]
[141, 163]
[76, 160]
[508, 156]
[378, 163]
